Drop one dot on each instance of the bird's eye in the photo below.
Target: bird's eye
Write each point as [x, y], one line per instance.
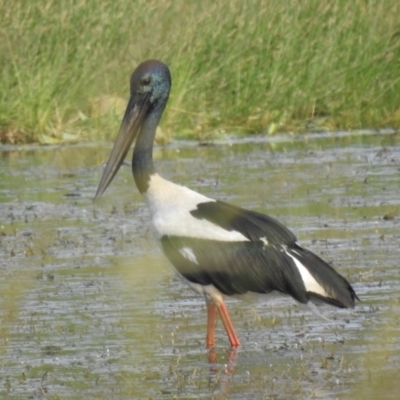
[145, 81]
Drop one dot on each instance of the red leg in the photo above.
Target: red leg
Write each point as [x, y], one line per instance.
[211, 314]
[226, 320]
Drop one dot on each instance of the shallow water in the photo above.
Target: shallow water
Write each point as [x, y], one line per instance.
[89, 307]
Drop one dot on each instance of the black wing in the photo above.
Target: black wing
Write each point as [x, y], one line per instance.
[235, 267]
[251, 224]
[262, 264]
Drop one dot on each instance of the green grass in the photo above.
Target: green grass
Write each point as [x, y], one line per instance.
[237, 67]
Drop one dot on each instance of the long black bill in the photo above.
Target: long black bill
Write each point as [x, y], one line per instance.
[130, 126]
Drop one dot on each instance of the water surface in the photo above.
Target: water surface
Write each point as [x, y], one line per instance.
[90, 308]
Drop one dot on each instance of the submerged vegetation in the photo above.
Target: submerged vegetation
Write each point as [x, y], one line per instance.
[237, 67]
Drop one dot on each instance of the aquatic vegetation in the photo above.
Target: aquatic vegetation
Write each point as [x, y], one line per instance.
[237, 67]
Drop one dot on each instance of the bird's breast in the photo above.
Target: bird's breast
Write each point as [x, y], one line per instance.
[170, 206]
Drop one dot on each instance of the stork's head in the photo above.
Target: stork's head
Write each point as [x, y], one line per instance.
[150, 86]
[151, 83]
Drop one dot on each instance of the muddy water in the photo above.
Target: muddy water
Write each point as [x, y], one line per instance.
[89, 307]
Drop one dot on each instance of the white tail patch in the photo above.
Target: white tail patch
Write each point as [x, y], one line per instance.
[187, 252]
[309, 281]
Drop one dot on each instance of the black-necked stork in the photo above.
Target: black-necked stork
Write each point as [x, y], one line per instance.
[217, 248]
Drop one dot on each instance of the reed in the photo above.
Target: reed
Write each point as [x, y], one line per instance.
[238, 67]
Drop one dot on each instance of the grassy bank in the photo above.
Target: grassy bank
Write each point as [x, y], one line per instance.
[237, 66]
